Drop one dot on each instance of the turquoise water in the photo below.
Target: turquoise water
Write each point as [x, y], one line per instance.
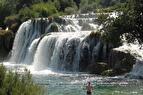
[74, 84]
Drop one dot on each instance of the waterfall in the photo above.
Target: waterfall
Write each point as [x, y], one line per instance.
[27, 32]
[59, 51]
[59, 44]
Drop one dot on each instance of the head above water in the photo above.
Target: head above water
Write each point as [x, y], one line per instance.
[89, 83]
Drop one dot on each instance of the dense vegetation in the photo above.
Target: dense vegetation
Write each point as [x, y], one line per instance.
[17, 84]
[128, 23]
[14, 12]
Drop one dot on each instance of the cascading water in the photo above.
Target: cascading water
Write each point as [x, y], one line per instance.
[63, 44]
[27, 32]
[59, 51]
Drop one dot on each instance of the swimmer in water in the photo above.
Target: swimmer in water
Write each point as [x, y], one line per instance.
[89, 88]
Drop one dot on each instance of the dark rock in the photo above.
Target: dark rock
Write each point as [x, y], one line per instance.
[97, 68]
[92, 50]
[121, 62]
[6, 42]
[84, 57]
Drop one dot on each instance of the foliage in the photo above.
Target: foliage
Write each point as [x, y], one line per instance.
[102, 18]
[129, 22]
[7, 7]
[44, 9]
[137, 19]
[27, 13]
[62, 4]
[69, 10]
[17, 84]
[110, 29]
[26, 9]
[87, 6]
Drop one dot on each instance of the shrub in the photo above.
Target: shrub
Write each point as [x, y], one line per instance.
[17, 84]
[27, 13]
[44, 9]
[88, 8]
[70, 10]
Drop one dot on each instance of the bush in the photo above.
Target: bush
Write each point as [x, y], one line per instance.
[44, 9]
[17, 84]
[61, 5]
[70, 10]
[27, 13]
[88, 8]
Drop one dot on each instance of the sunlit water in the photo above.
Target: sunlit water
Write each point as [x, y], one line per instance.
[74, 83]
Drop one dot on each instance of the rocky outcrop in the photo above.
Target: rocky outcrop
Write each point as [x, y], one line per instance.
[120, 62]
[97, 68]
[6, 42]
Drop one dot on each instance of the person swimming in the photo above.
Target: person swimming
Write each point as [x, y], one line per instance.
[89, 88]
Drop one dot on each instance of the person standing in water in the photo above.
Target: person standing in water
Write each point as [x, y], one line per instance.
[89, 88]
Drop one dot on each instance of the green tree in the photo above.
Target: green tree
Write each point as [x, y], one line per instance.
[138, 19]
[7, 7]
[129, 23]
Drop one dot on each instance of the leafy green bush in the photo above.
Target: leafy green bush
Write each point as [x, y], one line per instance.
[69, 10]
[62, 4]
[27, 13]
[44, 9]
[87, 8]
[17, 84]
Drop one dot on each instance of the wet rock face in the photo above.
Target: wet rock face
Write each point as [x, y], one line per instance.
[97, 68]
[92, 52]
[71, 48]
[120, 62]
[84, 57]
